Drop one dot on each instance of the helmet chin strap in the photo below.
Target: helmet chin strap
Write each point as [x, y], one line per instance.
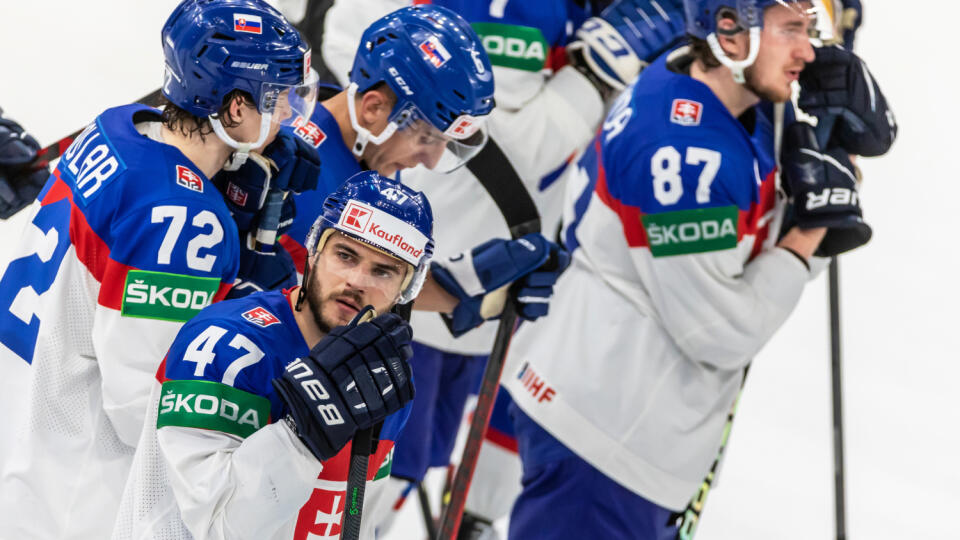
[363, 134]
[242, 150]
[736, 66]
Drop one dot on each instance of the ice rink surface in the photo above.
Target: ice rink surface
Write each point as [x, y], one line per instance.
[62, 62]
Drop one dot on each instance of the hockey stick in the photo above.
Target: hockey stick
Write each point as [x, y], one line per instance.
[55, 150]
[426, 511]
[496, 174]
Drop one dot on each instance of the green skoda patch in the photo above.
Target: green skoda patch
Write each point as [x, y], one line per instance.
[212, 405]
[513, 46]
[692, 231]
[168, 297]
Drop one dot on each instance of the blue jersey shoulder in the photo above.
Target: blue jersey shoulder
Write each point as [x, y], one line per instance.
[244, 343]
[669, 144]
[151, 206]
[337, 164]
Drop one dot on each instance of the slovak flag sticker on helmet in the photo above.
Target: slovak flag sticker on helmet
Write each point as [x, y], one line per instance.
[383, 230]
[247, 23]
[434, 52]
[686, 112]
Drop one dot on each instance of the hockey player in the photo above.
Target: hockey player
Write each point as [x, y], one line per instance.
[679, 276]
[130, 239]
[546, 111]
[259, 395]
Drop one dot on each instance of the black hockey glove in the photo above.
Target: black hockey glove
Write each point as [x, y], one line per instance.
[839, 84]
[263, 272]
[823, 191]
[291, 165]
[21, 179]
[355, 377]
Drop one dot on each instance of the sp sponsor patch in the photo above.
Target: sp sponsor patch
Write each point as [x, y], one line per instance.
[189, 179]
[434, 52]
[236, 194]
[167, 297]
[686, 112]
[308, 131]
[260, 317]
[692, 231]
[251, 24]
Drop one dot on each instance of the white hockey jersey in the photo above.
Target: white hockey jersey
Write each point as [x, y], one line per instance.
[128, 240]
[544, 114]
[671, 214]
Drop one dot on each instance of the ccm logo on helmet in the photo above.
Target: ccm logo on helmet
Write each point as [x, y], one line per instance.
[383, 230]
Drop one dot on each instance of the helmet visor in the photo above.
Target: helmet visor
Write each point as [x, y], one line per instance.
[440, 151]
[285, 102]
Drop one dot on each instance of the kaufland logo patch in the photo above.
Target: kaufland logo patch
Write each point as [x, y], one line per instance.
[307, 56]
[308, 131]
[247, 23]
[383, 230]
[686, 112]
[189, 179]
[260, 317]
[434, 52]
[355, 218]
[463, 127]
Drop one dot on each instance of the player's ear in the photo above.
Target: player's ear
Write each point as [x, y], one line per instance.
[374, 108]
[735, 44]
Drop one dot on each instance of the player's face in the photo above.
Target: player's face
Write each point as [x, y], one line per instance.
[348, 275]
[784, 50]
[414, 145]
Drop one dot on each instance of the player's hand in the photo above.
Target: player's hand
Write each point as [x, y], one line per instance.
[263, 272]
[355, 377]
[532, 292]
[21, 179]
[615, 46]
[823, 190]
[839, 84]
[288, 164]
[478, 279]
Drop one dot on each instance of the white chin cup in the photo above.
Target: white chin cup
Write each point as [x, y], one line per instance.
[242, 149]
[736, 66]
[363, 134]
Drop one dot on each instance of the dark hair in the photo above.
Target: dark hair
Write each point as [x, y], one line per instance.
[176, 119]
[700, 50]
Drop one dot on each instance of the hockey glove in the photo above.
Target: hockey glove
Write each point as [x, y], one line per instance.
[20, 178]
[823, 191]
[839, 84]
[355, 377]
[476, 277]
[287, 164]
[615, 46]
[263, 272]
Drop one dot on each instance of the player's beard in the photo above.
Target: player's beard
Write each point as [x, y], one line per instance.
[317, 299]
[765, 92]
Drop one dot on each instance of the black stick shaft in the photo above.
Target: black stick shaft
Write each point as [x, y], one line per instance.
[838, 471]
[426, 511]
[356, 485]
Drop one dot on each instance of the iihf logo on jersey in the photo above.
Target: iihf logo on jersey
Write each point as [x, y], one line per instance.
[247, 23]
[260, 317]
[189, 179]
[686, 112]
[434, 52]
[355, 217]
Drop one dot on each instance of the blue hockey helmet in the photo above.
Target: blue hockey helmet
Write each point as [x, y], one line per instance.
[212, 47]
[384, 214]
[435, 64]
[703, 16]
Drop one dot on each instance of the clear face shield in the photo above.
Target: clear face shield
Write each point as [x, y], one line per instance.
[440, 151]
[280, 105]
[370, 275]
